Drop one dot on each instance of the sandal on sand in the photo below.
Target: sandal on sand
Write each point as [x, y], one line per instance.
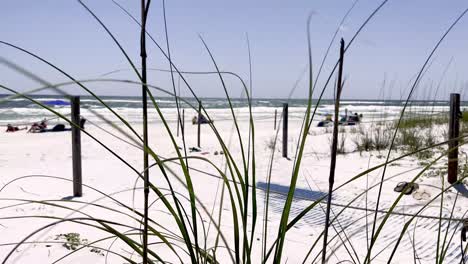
[411, 187]
[407, 187]
[194, 149]
[400, 186]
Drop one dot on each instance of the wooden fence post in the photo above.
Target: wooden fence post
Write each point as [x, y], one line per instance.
[76, 147]
[454, 133]
[199, 125]
[285, 130]
[276, 113]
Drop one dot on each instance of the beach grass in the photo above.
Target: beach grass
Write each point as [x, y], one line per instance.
[226, 232]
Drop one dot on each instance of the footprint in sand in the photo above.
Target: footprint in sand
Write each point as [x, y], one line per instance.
[421, 195]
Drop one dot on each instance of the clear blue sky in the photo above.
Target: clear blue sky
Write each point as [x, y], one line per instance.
[392, 47]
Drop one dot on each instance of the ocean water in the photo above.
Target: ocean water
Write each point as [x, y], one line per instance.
[21, 111]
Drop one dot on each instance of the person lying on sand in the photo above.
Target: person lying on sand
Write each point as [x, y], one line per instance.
[60, 127]
[11, 128]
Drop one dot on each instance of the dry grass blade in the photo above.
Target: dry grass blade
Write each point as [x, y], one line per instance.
[331, 179]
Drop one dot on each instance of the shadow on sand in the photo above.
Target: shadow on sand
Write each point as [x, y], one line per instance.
[461, 188]
[299, 193]
[68, 198]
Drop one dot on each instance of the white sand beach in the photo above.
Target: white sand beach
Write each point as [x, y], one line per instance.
[36, 169]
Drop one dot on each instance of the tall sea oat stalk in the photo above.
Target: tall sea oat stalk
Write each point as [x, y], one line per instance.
[331, 179]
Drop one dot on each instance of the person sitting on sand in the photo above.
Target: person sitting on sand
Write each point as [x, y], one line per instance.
[35, 128]
[354, 118]
[11, 128]
[43, 124]
[82, 122]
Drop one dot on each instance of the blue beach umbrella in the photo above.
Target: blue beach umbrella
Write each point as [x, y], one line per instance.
[56, 103]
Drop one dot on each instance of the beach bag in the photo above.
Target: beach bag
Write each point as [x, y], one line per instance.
[58, 127]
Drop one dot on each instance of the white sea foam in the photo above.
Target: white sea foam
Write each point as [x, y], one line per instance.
[21, 110]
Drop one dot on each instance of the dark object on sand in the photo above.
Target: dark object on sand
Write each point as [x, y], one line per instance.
[200, 120]
[407, 187]
[56, 128]
[195, 149]
[347, 120]
[59, 127]
[82, 122]
[327, 122]
[351, 120]
[324, 123]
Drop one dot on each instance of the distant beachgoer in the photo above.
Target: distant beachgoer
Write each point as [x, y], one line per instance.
[35, 128]
[32, 128]
[354, 118]
[43, 124]
[200, 120]
[82, 122]
[11, 128]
